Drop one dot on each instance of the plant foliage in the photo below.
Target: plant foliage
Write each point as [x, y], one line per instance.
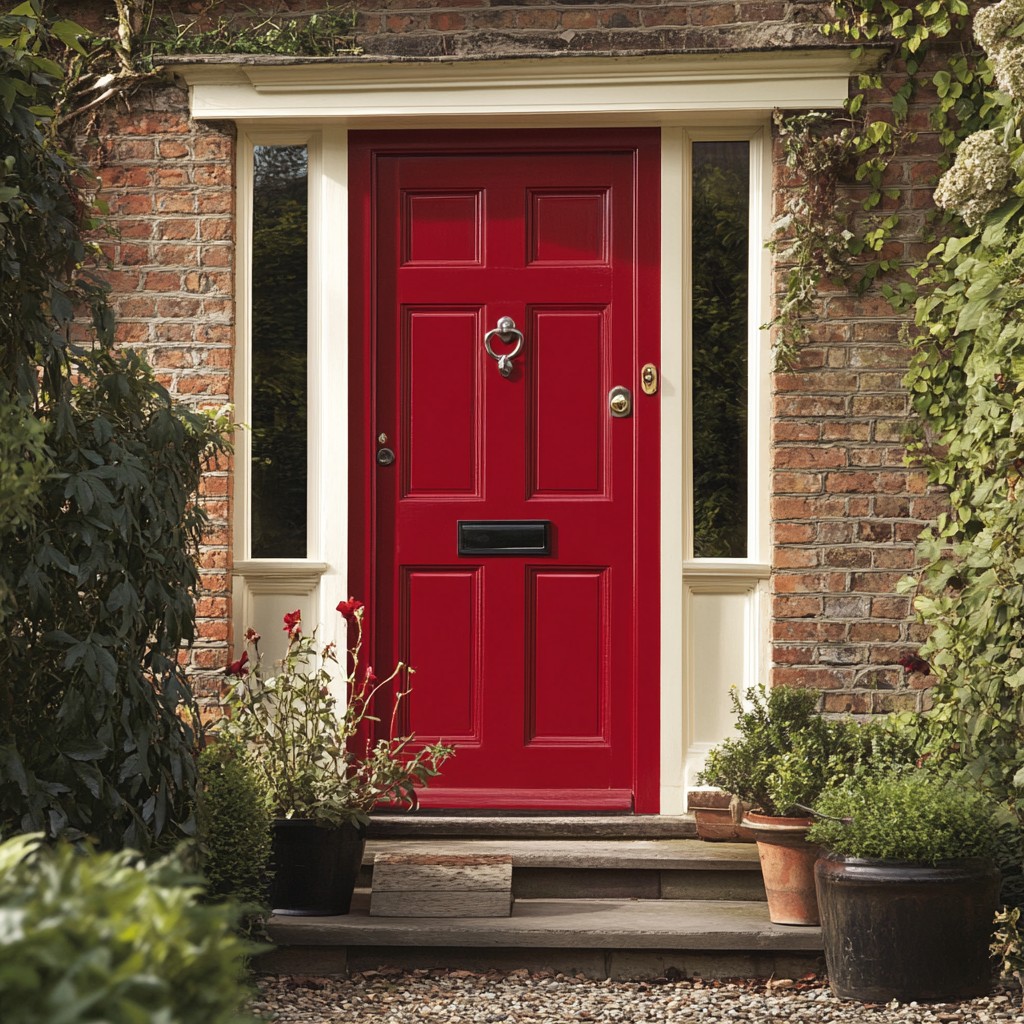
[844, 242]
[234, 830]
[786, 753]
[90, 937]
[97, 574]
[967, 383]
[314, 759]
[917, 817]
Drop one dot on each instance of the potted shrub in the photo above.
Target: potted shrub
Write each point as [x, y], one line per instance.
[908, 887]
[784, 755]
[321, 766]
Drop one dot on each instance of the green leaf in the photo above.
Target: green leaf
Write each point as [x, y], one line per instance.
[70, 34]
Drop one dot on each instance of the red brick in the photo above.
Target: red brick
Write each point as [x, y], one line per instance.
[839, 483]
[832, 678]
[810, 456]
[890, 607]
[793, 533]
[845, 703]
[786, 607]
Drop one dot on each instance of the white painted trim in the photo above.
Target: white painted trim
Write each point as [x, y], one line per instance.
[661, 85]
[675, 396]
[332, 458]
[680, 94]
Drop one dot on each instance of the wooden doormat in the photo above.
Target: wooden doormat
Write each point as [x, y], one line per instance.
[433, 885]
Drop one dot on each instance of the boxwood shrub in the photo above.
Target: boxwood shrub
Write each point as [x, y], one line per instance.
[101, 937]
[916, 817]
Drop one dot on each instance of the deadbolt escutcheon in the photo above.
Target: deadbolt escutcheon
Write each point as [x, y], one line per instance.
[620, 402]
[649, 379]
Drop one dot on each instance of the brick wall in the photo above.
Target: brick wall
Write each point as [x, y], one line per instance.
[845, 510]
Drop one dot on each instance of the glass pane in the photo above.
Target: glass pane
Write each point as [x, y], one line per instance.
[280, 228]
[721, 226]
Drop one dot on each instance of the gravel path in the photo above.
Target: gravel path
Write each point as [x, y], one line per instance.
[392, 996]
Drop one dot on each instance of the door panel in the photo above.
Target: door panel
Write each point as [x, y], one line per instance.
[538, 667]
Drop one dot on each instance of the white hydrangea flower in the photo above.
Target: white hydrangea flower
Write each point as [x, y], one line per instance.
[1008, 68]
[979, 179]
[991, 24]
[993, 28]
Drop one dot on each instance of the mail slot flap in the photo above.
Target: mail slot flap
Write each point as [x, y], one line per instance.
[505, 537]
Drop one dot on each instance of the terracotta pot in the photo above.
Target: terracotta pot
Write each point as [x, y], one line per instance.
[715, 824]
[787, 866]
[907, 931]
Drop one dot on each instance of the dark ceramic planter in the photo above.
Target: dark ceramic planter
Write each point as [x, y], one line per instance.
[907, 931]
[315, 868]
[787, 867]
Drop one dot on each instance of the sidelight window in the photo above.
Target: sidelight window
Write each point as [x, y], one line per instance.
[279, 406]
[720, 331]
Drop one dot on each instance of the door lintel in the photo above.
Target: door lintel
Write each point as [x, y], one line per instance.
[361, 91]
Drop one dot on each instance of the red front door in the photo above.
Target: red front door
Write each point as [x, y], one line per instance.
[510, 547]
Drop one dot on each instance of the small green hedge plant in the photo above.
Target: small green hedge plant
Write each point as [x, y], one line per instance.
[234, 830]
[911, 816]
[91, 937]
[786, 753]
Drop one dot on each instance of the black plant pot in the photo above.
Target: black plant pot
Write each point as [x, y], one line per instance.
[907, 931]
[315, 868]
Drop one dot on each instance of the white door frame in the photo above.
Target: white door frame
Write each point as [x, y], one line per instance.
[728, 96]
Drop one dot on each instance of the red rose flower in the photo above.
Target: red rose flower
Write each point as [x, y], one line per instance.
[293, 623]
[350, 607]
[912, 663]
[238, 668]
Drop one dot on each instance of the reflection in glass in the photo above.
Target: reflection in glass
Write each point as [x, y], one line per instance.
[280, 226]
[721, 225]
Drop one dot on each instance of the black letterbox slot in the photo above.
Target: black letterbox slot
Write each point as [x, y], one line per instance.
[505, 537]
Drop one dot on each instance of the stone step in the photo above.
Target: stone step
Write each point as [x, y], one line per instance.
[596, 937]
[510, 825]
[644, 869]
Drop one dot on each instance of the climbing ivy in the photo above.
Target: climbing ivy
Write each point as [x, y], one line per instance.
[966, 378]
[967, 387]
[823, 237]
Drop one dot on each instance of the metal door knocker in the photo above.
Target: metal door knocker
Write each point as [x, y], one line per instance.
[506, 331]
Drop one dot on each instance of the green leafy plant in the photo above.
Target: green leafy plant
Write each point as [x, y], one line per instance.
[912, 816]
[966, 382]
[90, 937]
[786, 753]
[305, 749]
[234, 831]
[847, 242]
[97, 564]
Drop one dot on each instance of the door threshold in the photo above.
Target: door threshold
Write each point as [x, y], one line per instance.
[530, 825]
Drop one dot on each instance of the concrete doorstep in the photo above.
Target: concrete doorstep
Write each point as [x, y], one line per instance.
[619, 908]
[598, 938]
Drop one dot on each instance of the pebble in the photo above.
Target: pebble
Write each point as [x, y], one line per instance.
[394, 996]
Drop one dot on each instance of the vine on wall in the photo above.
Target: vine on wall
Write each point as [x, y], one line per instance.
[967, 383]
[824, 237]
[966, 376]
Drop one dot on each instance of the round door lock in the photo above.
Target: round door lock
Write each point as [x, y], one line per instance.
[620, 401]
[385, 457]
